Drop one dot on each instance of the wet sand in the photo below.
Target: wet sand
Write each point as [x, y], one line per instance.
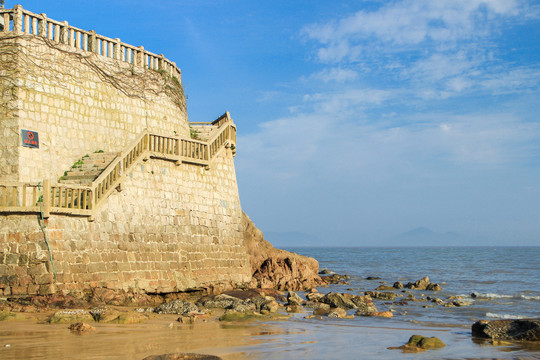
[296, 338]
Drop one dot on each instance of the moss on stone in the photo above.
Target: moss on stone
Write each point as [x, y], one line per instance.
[425, 342]
[70, 317]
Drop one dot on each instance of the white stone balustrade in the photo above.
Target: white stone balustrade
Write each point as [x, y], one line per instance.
[24, 22]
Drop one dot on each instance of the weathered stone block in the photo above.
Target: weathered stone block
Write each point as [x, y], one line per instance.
[19, 290]
[37, 269]
[43, 279]
[11, 259]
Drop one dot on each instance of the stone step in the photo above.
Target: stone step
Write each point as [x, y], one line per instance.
[84, 182]
[88, 168]
[75, 174]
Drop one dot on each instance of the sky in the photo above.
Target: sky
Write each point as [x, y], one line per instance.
[359, 121]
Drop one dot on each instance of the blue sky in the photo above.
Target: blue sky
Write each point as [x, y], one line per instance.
[359, 120]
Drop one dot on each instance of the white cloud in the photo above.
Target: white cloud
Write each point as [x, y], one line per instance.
[335, 74]
[515, 80]
[443, 45]
[407, 23]
[347, 101]
[320, 146]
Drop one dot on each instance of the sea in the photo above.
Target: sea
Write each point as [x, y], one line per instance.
[494, 282]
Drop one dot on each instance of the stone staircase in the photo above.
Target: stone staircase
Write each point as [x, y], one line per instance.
[201, 133]
[88, 168]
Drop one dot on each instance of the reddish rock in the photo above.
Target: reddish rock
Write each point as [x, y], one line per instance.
[276, 268]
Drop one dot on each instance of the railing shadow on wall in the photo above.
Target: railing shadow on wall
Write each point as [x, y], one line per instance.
[23, 22]
[47, 198]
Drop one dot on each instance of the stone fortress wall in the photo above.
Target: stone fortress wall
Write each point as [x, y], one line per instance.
[78, 101]
[171, 226]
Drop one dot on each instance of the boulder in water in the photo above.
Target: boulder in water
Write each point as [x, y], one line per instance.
[381, 295]
[509, 329]
[419, 343]
[337, 313]
[338, 300]
[294, 299]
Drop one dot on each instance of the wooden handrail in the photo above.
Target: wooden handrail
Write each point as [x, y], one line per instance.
[83, 200]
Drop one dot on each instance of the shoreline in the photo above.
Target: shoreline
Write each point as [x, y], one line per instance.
[264, 339]
[30, 336]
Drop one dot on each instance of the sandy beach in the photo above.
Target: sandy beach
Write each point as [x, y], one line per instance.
[296, 338]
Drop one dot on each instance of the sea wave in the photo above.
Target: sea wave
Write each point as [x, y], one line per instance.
[505, 316]
[503, 296]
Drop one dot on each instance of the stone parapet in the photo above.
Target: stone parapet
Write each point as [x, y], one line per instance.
[19, 21]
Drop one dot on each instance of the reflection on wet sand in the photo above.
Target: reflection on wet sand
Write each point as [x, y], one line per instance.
[161, 335]
[296, 338]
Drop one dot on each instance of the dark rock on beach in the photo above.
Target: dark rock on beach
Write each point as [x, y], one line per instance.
[337, 313]
[335, 279]
[294, 299]
[224, 301]
[381, 295]
[321, 309]
[365, 305]
[314, 296]
[337, 300]
[398, 285]
[179, 307]
[517, 329]
[434, 287]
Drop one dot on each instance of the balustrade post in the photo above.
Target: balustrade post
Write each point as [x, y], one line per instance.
[17, 19]
[46, 198]
[92, 42]
[161, 62]
[116, 51]
[43, 25]
[140, 56]
[64, 32]
[6, 22]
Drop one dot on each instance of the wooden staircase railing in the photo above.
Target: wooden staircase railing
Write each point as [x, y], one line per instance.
[18, 197]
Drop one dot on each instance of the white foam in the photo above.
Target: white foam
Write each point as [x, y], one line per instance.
[493, 296]
[505, 316]
[502, 296]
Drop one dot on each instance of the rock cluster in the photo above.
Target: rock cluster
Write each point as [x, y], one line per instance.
[179, 307]
[337, 304]
[423, 284]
